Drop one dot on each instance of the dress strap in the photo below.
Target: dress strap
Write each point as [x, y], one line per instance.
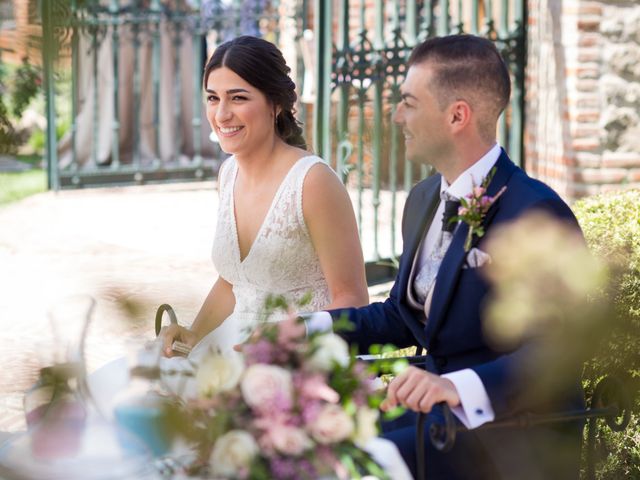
[226, 172]
[302, 168]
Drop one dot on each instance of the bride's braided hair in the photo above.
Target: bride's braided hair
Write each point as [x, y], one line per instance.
[262, 65]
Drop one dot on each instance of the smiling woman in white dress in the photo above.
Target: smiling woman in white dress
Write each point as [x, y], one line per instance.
[280, 206]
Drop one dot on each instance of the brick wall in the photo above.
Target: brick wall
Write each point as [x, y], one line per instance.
[582, 133]
[19, 36]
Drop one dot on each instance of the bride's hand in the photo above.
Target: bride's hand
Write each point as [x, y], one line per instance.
[174, 333]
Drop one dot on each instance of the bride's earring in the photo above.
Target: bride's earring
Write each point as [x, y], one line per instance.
[277, 116]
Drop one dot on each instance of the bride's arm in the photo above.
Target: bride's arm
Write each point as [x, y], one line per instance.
[329, 216]
[216, 308]
[219, 303]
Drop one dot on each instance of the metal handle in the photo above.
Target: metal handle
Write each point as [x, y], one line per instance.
[441, 435]
[165, 307]
[610, 401]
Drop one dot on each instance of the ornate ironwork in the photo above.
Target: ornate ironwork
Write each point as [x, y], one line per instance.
[79, 28]
[369, 53]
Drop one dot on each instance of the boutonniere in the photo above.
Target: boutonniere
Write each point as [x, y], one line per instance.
[474, 207]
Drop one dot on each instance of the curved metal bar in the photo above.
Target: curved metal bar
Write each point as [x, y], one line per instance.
[610, 401]
[443, 436]
[420, 460]
[165, 307]
[611, 392]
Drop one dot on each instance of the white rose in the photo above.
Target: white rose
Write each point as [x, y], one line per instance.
[218, 373]
[330, 348]
[332, 425]
[366, 425]
[232, 452]
[267, 386]
[289, 440]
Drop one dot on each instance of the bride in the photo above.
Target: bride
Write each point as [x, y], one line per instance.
[285, 223]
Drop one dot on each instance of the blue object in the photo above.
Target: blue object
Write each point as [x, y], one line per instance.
[148, 423]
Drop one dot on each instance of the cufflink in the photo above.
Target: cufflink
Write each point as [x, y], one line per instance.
[479, 411]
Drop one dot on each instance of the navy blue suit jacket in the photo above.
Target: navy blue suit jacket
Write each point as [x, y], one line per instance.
[453, 336]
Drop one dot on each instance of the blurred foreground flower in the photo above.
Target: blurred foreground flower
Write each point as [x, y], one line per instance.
[218, 373]
[545, 281]
[233, 453]
[289, 407]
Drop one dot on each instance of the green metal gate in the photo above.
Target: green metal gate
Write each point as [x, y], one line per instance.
[133, 72]
[362, 49]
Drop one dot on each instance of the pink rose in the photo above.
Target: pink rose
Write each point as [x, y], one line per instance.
[287, 439]
[291, 330]
[267, 387]
[463, 211]
[479, 191]
[315, 387]
[332, 425]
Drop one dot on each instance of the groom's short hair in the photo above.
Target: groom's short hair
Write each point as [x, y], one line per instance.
[470, 68]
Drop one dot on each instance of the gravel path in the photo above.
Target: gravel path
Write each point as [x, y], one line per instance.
[131, 248]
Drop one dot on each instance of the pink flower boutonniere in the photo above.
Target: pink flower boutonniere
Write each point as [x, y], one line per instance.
[474, 207]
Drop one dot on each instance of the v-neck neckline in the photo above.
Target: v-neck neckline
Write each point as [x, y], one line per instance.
[274, 201]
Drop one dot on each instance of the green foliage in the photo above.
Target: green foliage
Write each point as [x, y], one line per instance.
[18, 87]
[26, 83]
[17, 185]
[611, 224]
[618, 453]
[9, 138]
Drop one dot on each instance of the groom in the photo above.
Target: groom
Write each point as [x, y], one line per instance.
[455, 90]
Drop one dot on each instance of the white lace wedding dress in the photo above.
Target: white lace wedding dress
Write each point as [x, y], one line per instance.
[281, 261]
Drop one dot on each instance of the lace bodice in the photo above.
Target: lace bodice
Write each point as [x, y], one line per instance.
[281, 261]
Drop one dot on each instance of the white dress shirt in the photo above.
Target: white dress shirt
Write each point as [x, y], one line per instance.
[475, 407]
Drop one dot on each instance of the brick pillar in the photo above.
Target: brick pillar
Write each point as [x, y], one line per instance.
[582, 132]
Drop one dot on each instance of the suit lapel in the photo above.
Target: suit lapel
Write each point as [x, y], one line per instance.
[430, 200]
[454, 258]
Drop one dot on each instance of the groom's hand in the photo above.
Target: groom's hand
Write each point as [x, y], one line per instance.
[419, 391]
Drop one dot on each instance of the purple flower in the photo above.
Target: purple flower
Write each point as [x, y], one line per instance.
[259, 352]
[486, 201]
[310, 411]
[283, 468]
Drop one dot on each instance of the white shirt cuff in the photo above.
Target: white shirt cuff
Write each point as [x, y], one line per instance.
[475, 407]
[318, 322]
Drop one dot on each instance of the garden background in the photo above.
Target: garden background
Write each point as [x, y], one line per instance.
[135, 247]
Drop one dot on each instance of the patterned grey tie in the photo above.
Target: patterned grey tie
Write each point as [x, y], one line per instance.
[426, 278]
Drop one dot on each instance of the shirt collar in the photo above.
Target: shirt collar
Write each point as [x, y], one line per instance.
[472, 176]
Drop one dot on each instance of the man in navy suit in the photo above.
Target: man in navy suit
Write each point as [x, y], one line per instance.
[455, 89]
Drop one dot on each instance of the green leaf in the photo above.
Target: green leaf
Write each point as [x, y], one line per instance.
[394, 413]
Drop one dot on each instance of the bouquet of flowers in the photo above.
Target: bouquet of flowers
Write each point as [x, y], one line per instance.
[290, 406]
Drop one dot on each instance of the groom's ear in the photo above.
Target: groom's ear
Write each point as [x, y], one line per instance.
[460, 115]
